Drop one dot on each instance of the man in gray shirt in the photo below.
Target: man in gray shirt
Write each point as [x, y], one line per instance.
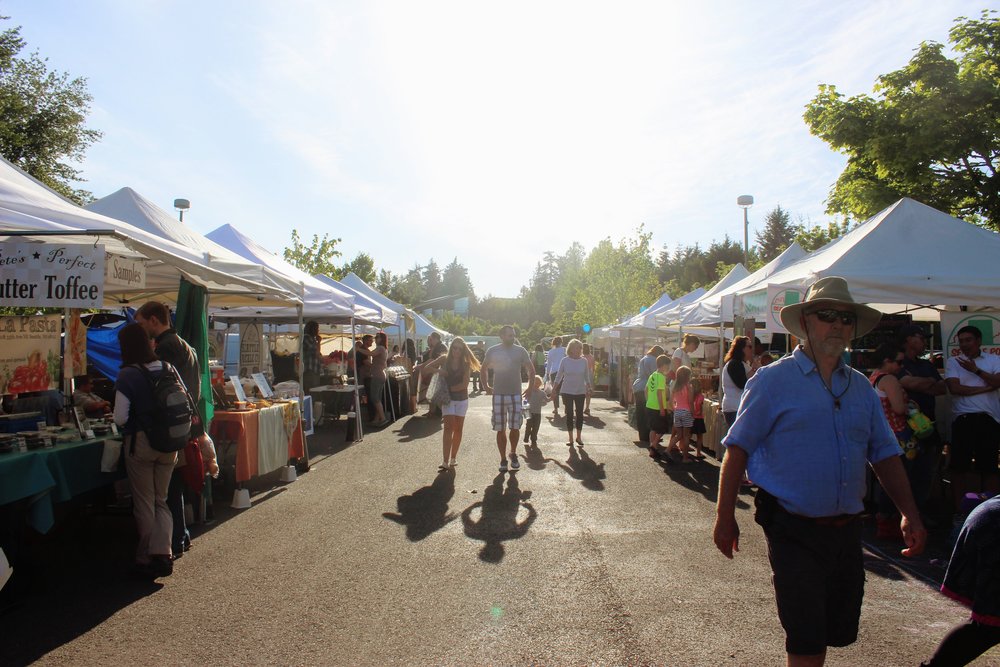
[506, 361]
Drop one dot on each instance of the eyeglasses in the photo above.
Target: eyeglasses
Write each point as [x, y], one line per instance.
[829, 315]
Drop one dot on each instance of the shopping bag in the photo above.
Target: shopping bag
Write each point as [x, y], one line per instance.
[437, 391]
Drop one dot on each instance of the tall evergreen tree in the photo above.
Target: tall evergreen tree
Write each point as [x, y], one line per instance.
[777, 235]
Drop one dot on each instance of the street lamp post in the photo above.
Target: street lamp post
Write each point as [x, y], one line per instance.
[182, 205]
[745, 202]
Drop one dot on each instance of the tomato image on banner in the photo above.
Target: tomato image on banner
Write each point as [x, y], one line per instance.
[30, 358]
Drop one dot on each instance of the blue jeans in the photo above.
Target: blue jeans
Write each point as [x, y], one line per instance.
[175, 501]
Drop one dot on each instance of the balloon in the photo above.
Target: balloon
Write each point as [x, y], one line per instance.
[586, 328]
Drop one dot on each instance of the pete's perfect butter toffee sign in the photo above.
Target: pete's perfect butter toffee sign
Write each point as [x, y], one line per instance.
[52, 275]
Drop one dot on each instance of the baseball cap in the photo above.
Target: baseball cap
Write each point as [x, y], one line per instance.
[908, 330]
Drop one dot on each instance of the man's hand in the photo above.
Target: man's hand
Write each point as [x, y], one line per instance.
[914, 536]
[726, 535]
[968, 364]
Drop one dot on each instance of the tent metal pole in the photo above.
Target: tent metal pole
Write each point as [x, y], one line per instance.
[358, 421]
[302, 365]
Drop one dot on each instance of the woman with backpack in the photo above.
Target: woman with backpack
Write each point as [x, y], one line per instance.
[149, 470]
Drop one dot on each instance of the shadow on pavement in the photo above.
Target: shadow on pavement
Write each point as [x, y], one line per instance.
[497, 520]
[594, 422]
[415, 428]
[699, 476]
[580, 466]
[68, 582]
[533, 457]
[425, 510]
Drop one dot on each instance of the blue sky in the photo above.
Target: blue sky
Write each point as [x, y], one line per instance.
[490, 132]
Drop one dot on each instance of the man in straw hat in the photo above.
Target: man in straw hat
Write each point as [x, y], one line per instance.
[806, 428]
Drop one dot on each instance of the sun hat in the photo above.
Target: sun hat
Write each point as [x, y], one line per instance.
[829, 291]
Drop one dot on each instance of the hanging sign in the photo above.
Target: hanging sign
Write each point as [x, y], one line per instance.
[125, 271]
[988, 323]
[50, 275]
[778, 298]
[251, 349]
[29, 353]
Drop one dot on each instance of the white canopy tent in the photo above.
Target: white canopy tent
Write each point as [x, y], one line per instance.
[129, 206]
[644, 323]
[320, 301]
[716, 308]
[30, 211]
[908, 253]
[386, 316]
[671, 317]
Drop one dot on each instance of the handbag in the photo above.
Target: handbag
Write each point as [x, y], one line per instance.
[437, 391]
[921, 424]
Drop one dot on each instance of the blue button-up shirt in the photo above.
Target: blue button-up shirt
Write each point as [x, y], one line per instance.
[805, 451]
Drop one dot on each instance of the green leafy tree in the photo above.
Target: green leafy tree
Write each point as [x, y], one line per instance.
[317, 257]
[777, 235]
[930, 132]
[409, 289]
[812, 237]
[42, 117]
[615, 280]
[363, 266]
[385, 282]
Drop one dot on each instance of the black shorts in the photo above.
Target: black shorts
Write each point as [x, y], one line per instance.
[818, 575]
[658, 423]
[975, 440]
[699, 426]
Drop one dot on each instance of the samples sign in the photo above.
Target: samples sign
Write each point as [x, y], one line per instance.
[52, 275]
[29, 353]
[251, 349]
[125, 272]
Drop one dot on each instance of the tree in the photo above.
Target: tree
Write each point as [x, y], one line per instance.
[777, 235]
[363, 266]
[617, 280]
[814, 237]
[432, 280]
[410, 288]
[930, 132]
[315, 258]
[42, 116]
[455, 281]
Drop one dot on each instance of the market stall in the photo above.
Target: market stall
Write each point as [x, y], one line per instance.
[261, 440]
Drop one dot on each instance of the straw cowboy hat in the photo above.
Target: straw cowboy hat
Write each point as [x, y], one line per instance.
[829, 292]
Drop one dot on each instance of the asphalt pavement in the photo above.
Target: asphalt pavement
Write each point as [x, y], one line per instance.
[592, 555]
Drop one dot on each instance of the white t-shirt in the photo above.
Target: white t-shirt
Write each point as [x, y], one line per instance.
[574, 376]
[685, 358]
[731, 394]
[554, 358]
[966, 405]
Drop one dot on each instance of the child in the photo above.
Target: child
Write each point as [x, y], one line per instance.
[698, 410]
[656, 404]
[536, 401]
[680, 396]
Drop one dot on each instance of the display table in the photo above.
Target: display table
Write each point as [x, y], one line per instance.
[20, 421]
[265, 439]
[715, 427]
[334, 398]
[54, 474]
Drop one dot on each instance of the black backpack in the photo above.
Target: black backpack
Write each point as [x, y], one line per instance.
[173, 411]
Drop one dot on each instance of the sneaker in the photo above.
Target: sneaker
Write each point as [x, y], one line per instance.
[453, 463]
[503, 466]
[514, 463]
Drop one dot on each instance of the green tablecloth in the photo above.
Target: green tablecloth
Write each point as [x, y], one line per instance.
[48, 476]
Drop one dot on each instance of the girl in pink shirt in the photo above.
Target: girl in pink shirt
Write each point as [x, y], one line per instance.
[682, 398]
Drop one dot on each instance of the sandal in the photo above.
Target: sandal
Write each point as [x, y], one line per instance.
[579, 441]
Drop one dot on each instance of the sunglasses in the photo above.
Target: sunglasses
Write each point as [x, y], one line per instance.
[829, 315]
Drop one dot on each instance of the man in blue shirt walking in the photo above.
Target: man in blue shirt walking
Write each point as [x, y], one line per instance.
[806, 428]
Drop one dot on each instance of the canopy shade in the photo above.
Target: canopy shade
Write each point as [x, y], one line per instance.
[320, 302]
[129, 206]
[717, 309]
[30, 211]
[908, 253]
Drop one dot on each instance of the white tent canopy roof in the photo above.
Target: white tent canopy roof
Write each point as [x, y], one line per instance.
[673, 314]
[387, 316]
[320, 302]
[29, 206]
[644, 323]
[357, 284]
[129, 206]
[907, 253]
[717, 309]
